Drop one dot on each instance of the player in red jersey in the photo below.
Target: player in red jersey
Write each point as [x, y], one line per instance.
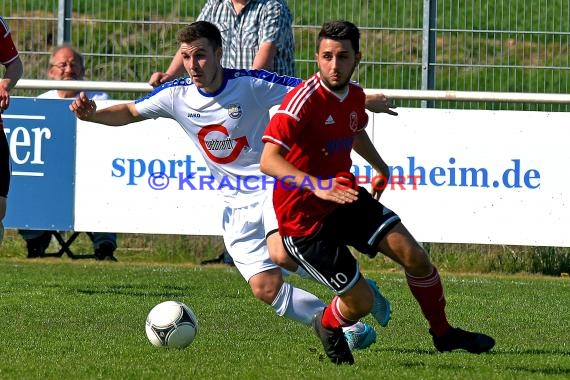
[321, 211]
[11, 61]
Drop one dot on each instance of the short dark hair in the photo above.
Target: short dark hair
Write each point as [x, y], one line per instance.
[340, 30]
[200, 29]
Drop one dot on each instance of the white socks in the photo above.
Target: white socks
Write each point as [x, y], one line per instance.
[296, 304]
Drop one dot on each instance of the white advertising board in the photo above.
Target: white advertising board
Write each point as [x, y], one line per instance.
[115, 191]
[496, 177]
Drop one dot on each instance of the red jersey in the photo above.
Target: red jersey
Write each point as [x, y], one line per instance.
[317, 128]
[8, 51]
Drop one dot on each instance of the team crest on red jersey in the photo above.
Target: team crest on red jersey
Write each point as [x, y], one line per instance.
[353, 121]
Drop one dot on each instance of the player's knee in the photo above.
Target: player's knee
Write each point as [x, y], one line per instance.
[278, 254]
[265, 286]
[417, 261]
[265, 293]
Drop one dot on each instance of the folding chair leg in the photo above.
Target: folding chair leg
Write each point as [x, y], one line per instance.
[65, 246]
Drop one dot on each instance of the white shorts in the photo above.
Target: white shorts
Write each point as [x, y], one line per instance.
[245, 228]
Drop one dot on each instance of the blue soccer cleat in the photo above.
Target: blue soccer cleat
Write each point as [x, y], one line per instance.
[381, 308]
[360, 336]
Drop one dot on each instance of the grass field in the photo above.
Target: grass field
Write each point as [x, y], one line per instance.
[85, 320]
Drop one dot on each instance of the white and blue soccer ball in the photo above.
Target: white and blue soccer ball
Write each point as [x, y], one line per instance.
[171, 324]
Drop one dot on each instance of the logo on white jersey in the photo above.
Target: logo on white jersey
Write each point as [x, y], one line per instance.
[234, 110]
[329, 120]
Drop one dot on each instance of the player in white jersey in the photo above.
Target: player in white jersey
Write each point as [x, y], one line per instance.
[227, 125]
[225, 112]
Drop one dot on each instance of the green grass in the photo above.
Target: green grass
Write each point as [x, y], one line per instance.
[85, 320]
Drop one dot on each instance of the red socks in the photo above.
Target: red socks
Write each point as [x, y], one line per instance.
[333, 318]
[428, 291]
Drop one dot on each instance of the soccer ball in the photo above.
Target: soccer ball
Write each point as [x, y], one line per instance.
[171, 324]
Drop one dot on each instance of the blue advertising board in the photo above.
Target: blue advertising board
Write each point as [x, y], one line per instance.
[41, 134]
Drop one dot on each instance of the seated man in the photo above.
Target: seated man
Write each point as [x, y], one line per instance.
[66, 63]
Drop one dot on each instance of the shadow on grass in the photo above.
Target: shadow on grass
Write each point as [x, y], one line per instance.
[416, 351]
[494, 351]
[534, 351]
[170, 292]
[542, 371]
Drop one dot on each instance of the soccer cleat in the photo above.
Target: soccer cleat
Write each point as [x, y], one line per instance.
[359, 336]
[381, 308]
[333, 341]
[458, 339]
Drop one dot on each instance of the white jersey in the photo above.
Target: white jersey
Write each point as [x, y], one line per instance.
[226, 126]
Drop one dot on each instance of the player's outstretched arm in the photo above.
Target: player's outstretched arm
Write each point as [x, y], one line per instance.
[379, 103]
[119, 114]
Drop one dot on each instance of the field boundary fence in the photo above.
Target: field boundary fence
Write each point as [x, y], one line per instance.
[441, 46]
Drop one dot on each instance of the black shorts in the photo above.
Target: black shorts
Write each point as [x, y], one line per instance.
[4, 165]
[325, 254]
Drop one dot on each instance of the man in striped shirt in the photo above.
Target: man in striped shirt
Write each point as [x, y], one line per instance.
[256, 34]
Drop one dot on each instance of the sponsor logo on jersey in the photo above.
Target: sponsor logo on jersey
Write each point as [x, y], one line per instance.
[219, 144]
[193, 115]
[234, 146]
[329, 120]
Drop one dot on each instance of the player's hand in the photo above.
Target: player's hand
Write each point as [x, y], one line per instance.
[158, 78]
[379, 103]
[4, 98]
[379, 184]
[83, 107]
[336, 190]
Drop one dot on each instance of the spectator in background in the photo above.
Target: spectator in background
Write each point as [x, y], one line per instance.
[256, 34]
[67, 63]
[10, 59]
